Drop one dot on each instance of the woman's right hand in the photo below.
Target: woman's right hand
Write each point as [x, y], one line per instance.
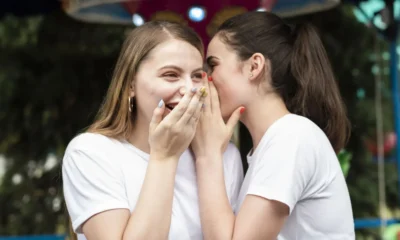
[171, 136]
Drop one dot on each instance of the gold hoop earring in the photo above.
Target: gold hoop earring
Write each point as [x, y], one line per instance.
[251, 74]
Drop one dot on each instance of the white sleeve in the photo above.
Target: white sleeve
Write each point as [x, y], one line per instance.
[91, 184]
[283, 168]
[233, 173]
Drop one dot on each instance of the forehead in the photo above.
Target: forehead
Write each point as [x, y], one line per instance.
[175, 52]
[217, 48]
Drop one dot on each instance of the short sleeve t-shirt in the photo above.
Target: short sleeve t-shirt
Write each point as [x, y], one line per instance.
[295, 164]
[101, 173]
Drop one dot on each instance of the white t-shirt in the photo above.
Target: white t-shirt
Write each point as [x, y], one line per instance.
[295, 164]
[100, 173]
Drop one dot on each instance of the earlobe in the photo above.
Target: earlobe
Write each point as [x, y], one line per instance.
[132, 89]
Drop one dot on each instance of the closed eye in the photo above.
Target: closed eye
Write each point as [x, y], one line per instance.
[197, 77]
[209, 66]
[171, 76]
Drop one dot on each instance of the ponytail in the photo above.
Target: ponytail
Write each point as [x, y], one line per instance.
[317, 95]
[300, 70]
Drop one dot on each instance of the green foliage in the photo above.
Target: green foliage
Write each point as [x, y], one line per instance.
[54, 72]
[345, 161]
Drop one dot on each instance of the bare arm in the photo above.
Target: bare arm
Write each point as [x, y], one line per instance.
[168, 139]
[217, 218]
[153, 210]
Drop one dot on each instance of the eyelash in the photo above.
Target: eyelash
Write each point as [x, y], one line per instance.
[176, 76]
[198, 76]
[210, 67]
[172, 75]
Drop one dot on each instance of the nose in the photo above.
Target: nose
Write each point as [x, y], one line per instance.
[182, 91]
[187, 84]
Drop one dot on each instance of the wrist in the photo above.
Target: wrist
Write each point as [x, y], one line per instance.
[157, 156]
[208, 159]
[209, 153]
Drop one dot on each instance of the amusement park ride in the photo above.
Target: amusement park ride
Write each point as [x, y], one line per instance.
[206, 15]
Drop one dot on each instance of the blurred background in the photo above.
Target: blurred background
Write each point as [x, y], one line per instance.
[56, 62]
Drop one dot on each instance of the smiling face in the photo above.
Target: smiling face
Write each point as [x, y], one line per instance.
[170, 69]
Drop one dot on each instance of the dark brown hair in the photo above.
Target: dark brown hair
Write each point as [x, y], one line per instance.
[114, 119]
[301, 73]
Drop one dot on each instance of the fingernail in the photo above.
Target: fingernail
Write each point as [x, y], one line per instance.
[194, 90]
[210, 78]
[242, 110]
[161, 103]
[202, 90]
[204, 74]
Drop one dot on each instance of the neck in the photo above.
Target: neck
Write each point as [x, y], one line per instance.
[139, 136]
[261, 114]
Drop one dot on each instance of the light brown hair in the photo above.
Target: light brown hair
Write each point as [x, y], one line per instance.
[301, 73]
[114, 118]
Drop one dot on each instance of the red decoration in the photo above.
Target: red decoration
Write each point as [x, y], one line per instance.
[389, 144]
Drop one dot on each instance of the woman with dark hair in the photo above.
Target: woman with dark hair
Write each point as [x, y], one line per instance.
[277, 80]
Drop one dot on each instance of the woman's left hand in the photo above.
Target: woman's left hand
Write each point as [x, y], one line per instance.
[213, 134]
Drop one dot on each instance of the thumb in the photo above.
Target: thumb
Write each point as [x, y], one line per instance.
[233, 120]
[157, 115]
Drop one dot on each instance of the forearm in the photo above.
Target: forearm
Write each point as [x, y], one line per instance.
[216, 213]
[151, 218]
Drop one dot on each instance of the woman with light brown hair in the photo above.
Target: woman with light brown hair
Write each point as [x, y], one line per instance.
[131, 175]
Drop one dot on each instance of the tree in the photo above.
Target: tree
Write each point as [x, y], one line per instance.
[54, 72]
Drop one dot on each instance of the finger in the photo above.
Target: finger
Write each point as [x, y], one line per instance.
[214, 99]
[196, 116]
[157, 115]
[194, 104]
[233, 120]
[207, 100]
[177, 113]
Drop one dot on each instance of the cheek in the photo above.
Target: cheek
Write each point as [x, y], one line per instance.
[158, 90]
[229, 95]
[224, 81]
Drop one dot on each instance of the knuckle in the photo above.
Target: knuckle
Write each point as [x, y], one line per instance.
[175, 129]
[191, 110]
[168, 125]
[182, 109]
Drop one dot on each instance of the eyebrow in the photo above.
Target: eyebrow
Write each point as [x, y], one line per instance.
[180, 69]
[171, 66]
